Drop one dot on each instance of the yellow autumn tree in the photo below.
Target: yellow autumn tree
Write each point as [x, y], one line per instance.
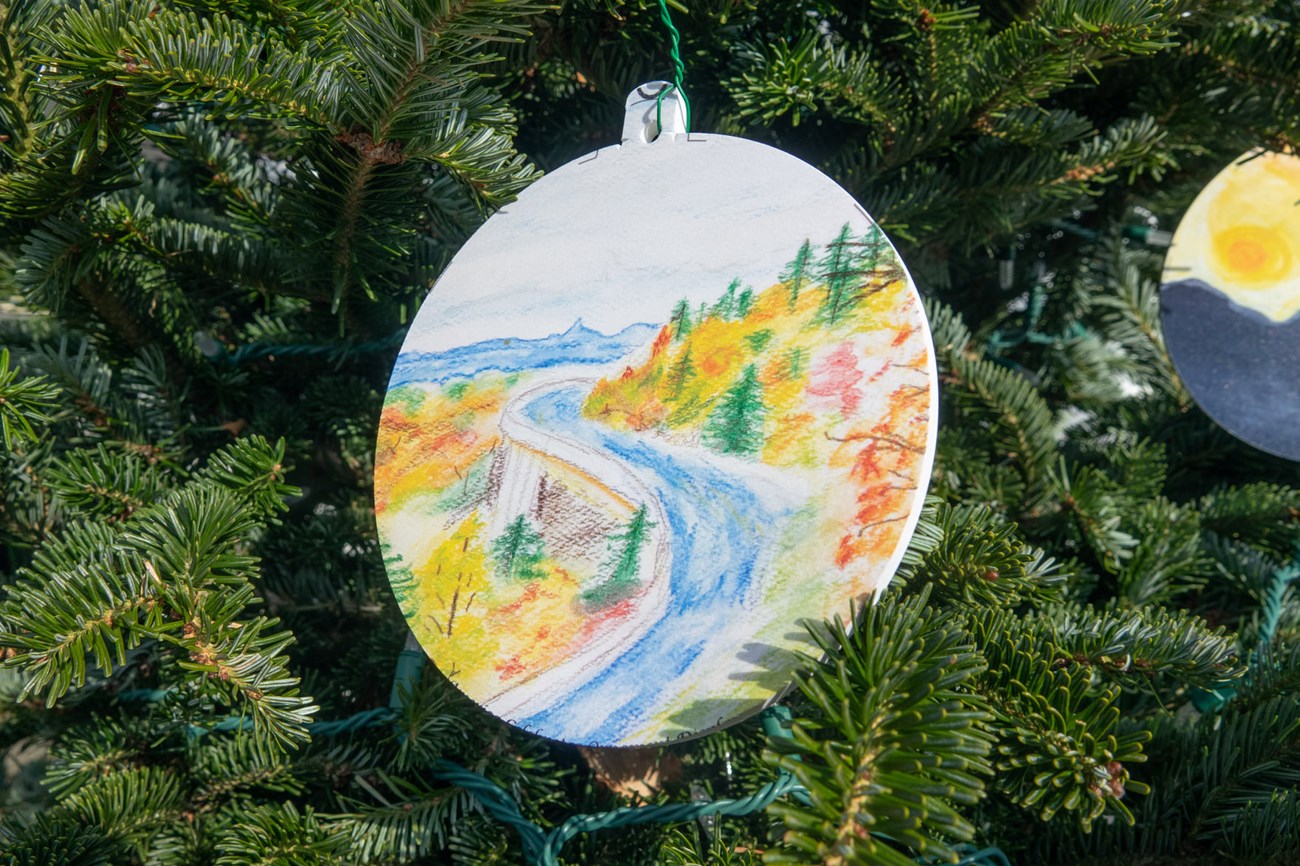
[450, 586]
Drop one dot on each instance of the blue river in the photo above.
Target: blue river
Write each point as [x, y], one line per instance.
[719, 530]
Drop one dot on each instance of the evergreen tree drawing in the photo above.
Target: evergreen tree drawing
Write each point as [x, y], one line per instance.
[681, 319]
[798, 270]
[873, 247]
[736, 426]
[841, 271]
[680, 374]
[745, 302]
[518, 551]
[624, 562]
[402, 580]
[725, 308]
[794, 363]
[876, 260]
[630, 542]
[758, 340]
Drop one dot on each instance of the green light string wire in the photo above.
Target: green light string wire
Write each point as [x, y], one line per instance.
[679, 71]
[973, 856]
[542, 848]
[1003, 338]
[1282, 578]
[1212, 700]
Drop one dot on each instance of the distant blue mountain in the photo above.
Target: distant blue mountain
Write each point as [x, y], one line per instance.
[578, 345]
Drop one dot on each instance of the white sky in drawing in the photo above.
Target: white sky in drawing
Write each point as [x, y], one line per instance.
[621, 238]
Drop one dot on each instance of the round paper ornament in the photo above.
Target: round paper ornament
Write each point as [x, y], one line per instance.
[674, 400]
[1230, 301]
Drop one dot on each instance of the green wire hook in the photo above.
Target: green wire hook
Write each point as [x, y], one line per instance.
[679, 71]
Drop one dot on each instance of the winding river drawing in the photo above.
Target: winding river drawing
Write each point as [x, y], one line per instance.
[611, 536]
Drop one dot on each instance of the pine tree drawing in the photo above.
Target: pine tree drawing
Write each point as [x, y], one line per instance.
[403, 581]
[794, 363]
[625, 561]
[736, 426]
[841, 271]
[876, 261]
[518, 551]
[758, 340]
[745, 302]
[796, 273]
[681, 319]
[873, 246]
[632, 538]
[725, 308]
[680, 374]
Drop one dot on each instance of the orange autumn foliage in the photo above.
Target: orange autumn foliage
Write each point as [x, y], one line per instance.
[429, 439]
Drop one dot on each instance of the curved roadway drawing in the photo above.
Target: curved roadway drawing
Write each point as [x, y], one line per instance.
[722, 516]
[518, 430]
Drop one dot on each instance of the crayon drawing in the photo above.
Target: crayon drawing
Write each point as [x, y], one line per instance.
[609, 533]
[1230, 301]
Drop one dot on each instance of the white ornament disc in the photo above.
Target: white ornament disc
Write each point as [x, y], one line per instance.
[1230, 301]
[674, 400]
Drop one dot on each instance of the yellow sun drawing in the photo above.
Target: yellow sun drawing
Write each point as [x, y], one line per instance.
[1242, 235]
